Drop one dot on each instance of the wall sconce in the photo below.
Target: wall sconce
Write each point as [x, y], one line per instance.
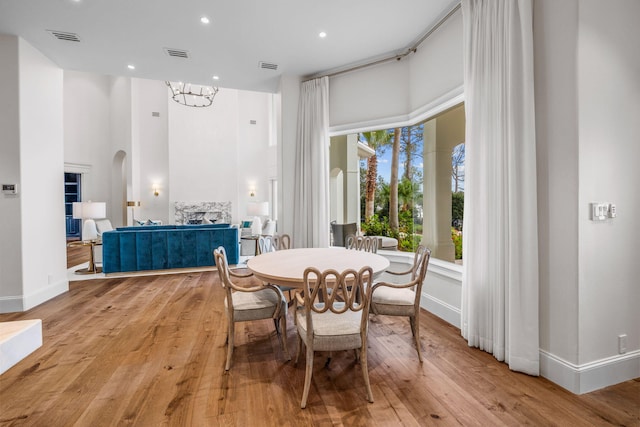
[156, 191]
[252, 192]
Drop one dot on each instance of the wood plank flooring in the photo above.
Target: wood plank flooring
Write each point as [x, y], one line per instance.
[150, 351]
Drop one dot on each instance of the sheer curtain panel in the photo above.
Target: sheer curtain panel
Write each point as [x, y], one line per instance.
[311, 190]
[500, 275]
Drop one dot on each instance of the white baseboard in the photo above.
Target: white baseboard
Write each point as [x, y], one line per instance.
[25, 302]
[446, 312]
[591, 376]
[11, 304]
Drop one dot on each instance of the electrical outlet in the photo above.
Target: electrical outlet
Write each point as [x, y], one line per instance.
[622, 344]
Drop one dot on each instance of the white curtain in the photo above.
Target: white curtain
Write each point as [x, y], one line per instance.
[500, 278]
[311, 190]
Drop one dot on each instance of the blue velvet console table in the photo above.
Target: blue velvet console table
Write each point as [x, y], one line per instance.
[161, 247]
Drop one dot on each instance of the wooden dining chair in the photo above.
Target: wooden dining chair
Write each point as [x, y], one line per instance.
[362, 243]
[242, 304]
[339, 322]
[266, 244]
[281, 241]
[277, 243]
[404, 299]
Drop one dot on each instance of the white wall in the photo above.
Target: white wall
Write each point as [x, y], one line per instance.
[255, 159]
[555, 41]
[150, 149]
[287, 99]
[42, 178]
[10, 205]
[609, 135]
[215, 154]
[121, 131]
[587, 96]
[32, 243]
[87, 133]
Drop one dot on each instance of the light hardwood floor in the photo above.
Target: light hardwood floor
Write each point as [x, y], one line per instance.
[150, 351]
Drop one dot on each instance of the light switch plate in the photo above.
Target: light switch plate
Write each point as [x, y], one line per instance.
[10, 188]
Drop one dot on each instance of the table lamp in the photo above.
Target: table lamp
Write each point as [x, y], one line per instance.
[257, 210]
[88, 212]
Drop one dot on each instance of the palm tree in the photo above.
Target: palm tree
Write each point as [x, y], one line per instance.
[394, 224]
[377, 140]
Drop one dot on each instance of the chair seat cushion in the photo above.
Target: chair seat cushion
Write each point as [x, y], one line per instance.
[256, 305]
[332, 331]
[393, 301]
[395, 296]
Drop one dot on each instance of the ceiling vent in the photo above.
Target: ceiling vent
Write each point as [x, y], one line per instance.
[268, 65]
[61, 35]
[177, 53]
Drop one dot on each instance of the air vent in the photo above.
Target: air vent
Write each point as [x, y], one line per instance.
[177, 53]
[61, 35]
[268, 65]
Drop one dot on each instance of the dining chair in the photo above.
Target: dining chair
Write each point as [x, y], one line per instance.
[362, 243]
[404, 299]
[276, 243]
[340, 322]
[242, 304]
[281, 241]
[266, 244]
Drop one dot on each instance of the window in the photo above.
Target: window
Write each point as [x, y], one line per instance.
[412, 188]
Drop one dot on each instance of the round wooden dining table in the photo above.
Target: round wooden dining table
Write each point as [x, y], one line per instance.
[286, 267]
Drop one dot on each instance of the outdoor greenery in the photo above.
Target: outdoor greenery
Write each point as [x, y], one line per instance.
[392, 205]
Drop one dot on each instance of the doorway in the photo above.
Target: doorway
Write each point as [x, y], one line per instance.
[72, 194]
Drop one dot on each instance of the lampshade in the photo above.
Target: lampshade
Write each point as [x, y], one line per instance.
[89, 210]
[258, 208]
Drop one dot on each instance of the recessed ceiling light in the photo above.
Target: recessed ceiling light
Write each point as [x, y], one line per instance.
[131, 67]
[204, 20]
[322, 34]
[216, 78]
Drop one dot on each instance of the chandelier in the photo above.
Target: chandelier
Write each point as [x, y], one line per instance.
[192, 95]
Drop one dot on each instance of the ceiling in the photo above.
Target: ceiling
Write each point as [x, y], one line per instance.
[116, 33]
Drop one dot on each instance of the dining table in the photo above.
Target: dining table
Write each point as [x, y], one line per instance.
[286, 267]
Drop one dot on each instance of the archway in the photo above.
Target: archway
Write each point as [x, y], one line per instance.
[118, 205]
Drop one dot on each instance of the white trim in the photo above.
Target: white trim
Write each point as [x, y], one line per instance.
[446, 312]
[25, 302]
[11, 304]
[435, 107]
[443, 268]
[77, 168]
[590, 376]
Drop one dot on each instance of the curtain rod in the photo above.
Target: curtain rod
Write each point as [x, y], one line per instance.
[396, 57]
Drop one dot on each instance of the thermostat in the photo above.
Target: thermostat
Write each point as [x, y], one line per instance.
[10, 188]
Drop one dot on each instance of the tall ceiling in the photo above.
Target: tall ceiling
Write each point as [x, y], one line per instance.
[116, 33]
